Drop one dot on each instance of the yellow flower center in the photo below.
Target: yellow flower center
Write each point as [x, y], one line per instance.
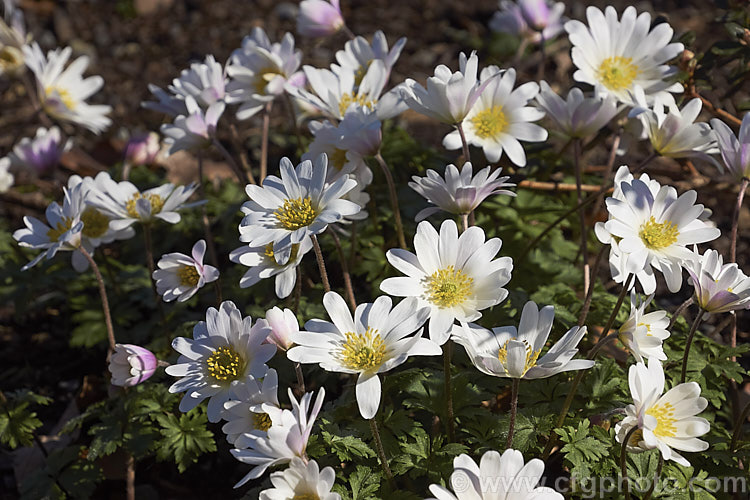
[658, 235]
[188, 275]
[665, 420]
[225, 365]
[636, 438]
[531, 356]
[155, 200]
[10, 58]
[490, 122]
[261, 421]
[338, 158]
[359, 75]
[349, 98]
[617, 73]
[271, 257]
[61, 228]
[63, 95]
[448, 287]
[264, 77]
[362, 351]
[95, 223]
[296, 213]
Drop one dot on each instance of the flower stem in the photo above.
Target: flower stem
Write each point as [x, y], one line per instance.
[464, 144]
[264, 141]
[451, 425]
[657, 475]
[581, 217]
[394, 199]
[624, 460]
[105, 301]
[691, 335]
[300, 377]
[465, 221]
[738, 427]
[513, 411]
[130, 478]
[678, 312]
[591, 355]
[321, 263]
[590, 294]
[345, 270]
[237, 144]
[380, 450]
[543, 63]
[207, 228]
[241, 175]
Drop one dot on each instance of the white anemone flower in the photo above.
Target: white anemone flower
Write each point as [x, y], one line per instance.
[194, 131]
[455, 276]
[673, 134]
[449, 96]
[667, 422]
[71, 226]
[358, 54]
[63, 91]
[497, 477]
[265, 263]
[459, 193]
[125, 204]
[283, 326]
[534, 20]
[577, 116]
[6, 178]
[618, 55]
[718, 287]
[376, 340]
[735, 150]
[42, 153]
[514, 353]
[302, 481]
[204, 82]
[285, 439]
[287, 210]
[131, 364]
[652, 229]
[333, 94]
[259, 71]
[346, 144]
[245, 414]
[499, 119]
[643, 333]
[224, 350]
[180, 276]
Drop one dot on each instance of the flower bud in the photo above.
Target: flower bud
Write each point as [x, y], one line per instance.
[536, 13]
[283, 324]
[142, 149]
[131, 364]
[318, 18]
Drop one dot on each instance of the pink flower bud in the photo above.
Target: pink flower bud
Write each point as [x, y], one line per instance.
[318, 18]
[283, 324]
[142, 149]
[131, 364]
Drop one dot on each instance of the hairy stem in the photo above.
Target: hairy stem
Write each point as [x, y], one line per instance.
[380, 450]
[590, 293]
[345, 270]
[464, 144]
[451, 424]
[624, 460]
[678, 312]
[394, 199]
[264, 141]
[513, 411]
[321, 263]
[691, 335]
[105, 301]
[130, 478]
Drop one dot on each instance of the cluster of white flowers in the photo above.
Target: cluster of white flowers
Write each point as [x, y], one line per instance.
[451, 277]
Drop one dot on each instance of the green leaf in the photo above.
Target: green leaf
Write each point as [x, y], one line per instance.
[17, 421]
[184, 438]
